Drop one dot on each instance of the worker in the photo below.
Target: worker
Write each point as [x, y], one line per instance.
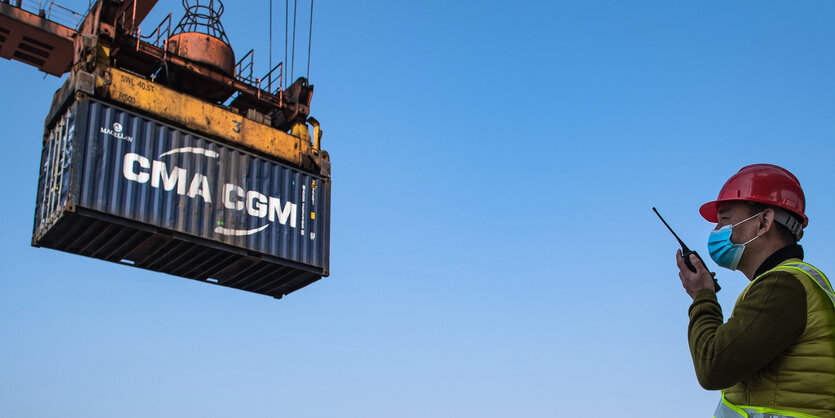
[775, 357]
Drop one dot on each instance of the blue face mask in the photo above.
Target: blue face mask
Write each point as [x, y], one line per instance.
[724, 252]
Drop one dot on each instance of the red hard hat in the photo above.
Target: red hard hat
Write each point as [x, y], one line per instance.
[761, 183]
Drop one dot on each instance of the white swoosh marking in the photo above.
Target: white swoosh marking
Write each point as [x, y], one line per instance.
[239, 232]
[199, 151]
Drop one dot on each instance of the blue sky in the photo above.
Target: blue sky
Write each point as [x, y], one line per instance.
[493, 250]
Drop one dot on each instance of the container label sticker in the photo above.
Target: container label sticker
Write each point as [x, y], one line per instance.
[116, 132]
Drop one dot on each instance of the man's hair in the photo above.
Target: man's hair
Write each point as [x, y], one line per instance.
[782, 232]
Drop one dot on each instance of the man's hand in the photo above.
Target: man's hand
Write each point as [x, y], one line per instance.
[693, 282]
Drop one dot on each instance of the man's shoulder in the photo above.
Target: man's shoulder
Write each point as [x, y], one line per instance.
[780, 277]
[801, 271]
[776, 285]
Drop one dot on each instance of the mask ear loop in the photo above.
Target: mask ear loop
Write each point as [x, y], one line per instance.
[756, 236]
[746, 220]
[749, 241]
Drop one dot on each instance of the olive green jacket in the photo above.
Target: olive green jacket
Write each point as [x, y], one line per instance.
[777, 349]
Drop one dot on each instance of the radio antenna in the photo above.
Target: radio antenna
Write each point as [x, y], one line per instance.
[683, 247]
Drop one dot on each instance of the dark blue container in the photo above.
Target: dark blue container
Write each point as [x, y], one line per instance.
[122, 187]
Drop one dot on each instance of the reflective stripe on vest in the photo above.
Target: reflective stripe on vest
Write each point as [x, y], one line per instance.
[728, 410]
[816, 276]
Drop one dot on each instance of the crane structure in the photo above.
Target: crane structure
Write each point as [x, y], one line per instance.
[179, 80]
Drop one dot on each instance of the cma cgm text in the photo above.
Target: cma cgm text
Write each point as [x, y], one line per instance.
[142, 170]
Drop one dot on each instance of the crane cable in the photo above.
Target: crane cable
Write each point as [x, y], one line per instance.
[286, 38]
[309, 40]
[286, 24]
[293, 54]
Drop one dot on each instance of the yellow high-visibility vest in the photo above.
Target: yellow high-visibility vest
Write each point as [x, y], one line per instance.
[764, 388]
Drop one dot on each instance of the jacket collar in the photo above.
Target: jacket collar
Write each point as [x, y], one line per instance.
[783, 254]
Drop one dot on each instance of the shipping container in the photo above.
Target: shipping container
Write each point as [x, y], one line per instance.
[122, 187]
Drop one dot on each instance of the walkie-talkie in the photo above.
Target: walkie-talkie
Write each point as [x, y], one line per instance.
[685, 252]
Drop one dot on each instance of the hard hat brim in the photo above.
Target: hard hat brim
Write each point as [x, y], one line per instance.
[710, 210]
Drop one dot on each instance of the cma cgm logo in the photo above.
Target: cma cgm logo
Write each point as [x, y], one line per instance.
[144, 170]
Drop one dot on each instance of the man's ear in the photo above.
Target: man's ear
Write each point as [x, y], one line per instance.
[766, 222]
